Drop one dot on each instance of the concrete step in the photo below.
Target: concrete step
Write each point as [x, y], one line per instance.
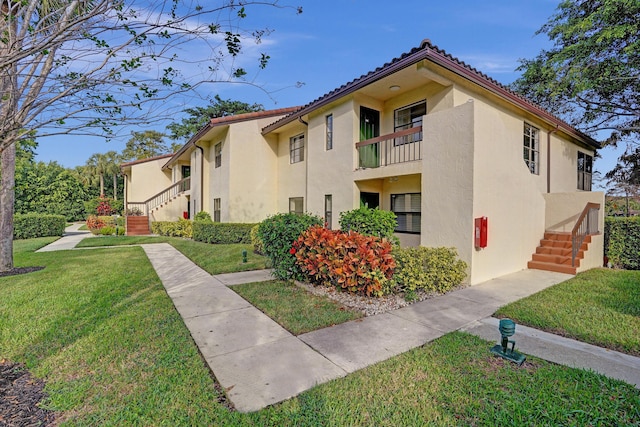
[560, 236]
[556, 259]
[547, 266]
[548, 243]
[553, 251]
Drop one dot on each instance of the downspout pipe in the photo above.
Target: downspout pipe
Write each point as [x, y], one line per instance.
[306, 167]
[201, 177]
[549, 157]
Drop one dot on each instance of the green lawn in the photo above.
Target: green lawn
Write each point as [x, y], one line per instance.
[215, 259]
[599, 306]
[100, 329]
[293, 307]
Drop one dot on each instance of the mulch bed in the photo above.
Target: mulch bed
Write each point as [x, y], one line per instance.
[19, 398]
[19, 270]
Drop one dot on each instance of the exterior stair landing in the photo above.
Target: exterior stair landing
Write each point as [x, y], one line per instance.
[554, 253]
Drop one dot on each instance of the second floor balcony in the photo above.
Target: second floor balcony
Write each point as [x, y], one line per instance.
[398, 147]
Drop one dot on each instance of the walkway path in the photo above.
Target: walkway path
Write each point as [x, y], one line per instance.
[259, 363]
[69, 240]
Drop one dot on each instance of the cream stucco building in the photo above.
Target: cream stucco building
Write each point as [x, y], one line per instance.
[425, 136]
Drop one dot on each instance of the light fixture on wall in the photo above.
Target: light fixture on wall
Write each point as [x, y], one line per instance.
[394, 88]
[393, 179]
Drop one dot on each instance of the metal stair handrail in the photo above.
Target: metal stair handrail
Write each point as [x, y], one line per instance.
[586, 224]
[162, 197]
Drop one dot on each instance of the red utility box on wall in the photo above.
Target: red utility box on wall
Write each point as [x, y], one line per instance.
[480, 232]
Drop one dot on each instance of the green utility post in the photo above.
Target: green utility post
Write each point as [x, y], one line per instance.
[507, 328]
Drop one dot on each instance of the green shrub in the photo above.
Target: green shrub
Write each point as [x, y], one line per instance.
[430, 269]
[345, 260]
[370, 222]
[622, 242]
[180, 228]
[221, 232]
[103, 206]
[203, 216]
[95, 223]
[107, 230]
[278, 232]
[258, 247]
[29, 226]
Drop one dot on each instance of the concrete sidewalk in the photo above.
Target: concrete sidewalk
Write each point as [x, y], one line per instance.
[564, 351]
[69, 239]
[256, 360]
[259, 363]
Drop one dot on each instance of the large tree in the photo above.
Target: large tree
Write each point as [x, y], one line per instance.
[143, 145]
[197, 117]
[49, 188]
[624, 179]
[591, 75]
[97, 167]
[90, 66]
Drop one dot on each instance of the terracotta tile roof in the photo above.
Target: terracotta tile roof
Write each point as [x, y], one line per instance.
[438, 56]
[150, 159]
[251, 116]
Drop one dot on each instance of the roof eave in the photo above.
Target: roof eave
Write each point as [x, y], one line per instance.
[435, 56]
[510, 96]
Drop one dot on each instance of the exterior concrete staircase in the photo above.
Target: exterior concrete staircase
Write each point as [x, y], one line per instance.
[554, 253]
[138, 226]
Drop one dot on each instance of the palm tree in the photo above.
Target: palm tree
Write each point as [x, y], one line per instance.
[97, 167]
[113, 169]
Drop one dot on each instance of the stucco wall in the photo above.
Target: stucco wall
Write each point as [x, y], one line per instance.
[291, 177]
[147, 179]
[447, 180]
[252, 170]
[564, 165]
[472, 168]
[330, 172]
[171, 211]
[506, 192]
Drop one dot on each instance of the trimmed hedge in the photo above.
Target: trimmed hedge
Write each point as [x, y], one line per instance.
[258, 247]
[622, 242]
[222, 232]
[38, 225]
[369, 222]
[180, 228]
[431, 269]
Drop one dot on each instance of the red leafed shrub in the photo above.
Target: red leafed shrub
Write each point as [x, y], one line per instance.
[95, 223]
[104, 208]
[346, 260]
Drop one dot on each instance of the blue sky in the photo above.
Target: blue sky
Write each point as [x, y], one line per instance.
[334, 41]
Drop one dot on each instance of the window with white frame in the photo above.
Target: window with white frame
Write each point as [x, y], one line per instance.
[329, 132]
[218, 154]
[296, 205]
[296, 149]
[585, 171]
[408, 210]
[216, 210]
[328, 210]
[531, 149]
[409, 117]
